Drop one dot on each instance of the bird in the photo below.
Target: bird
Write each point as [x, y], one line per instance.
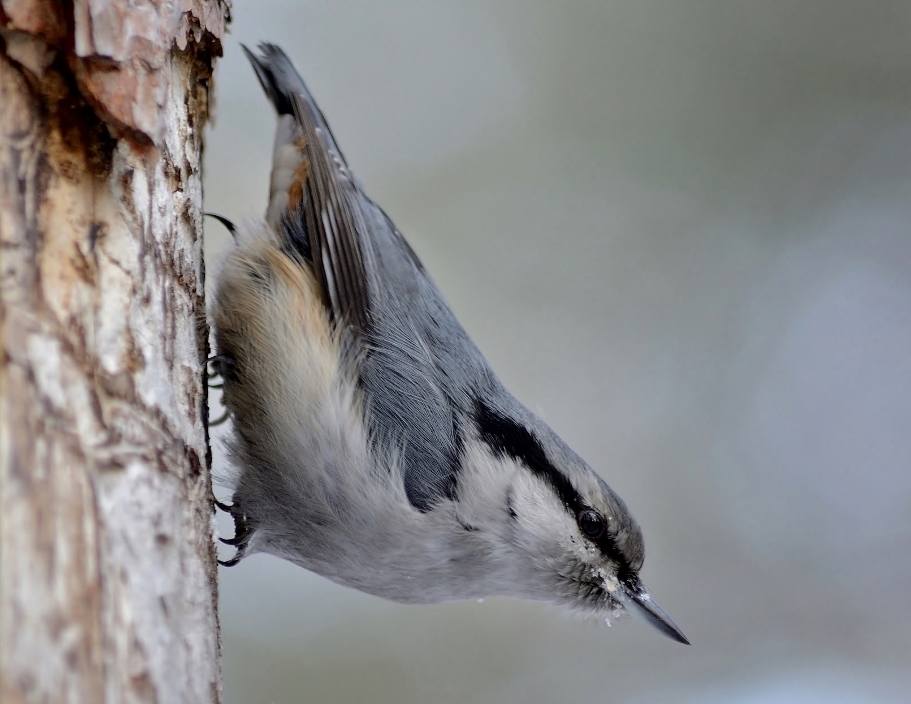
[371, 442]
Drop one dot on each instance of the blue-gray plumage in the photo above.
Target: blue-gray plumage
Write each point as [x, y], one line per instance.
[420, 370]
[372, 442]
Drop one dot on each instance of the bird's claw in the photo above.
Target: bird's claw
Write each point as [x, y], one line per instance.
[243, 531]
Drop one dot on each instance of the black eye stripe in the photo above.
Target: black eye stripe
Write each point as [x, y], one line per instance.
[506, 437]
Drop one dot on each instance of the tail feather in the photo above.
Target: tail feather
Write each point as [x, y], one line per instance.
[282, 82]
[314, 201]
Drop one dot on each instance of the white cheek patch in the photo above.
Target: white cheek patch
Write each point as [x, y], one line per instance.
[488, 481]
[484, 483]
[491, 485]
[541, 512]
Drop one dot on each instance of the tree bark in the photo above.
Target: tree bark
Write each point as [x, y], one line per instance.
[107, 570]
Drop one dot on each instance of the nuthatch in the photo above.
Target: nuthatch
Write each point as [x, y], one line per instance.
[372, 442]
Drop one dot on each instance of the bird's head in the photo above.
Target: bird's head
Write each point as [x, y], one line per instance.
[574, 540]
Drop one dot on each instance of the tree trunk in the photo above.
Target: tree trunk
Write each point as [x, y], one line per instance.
[107, 571]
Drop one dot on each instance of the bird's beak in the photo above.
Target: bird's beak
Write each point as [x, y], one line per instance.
[636, 600]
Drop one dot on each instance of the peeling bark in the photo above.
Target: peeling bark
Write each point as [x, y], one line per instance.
[107, 570]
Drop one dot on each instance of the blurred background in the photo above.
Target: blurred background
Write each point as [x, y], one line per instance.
[681, 233]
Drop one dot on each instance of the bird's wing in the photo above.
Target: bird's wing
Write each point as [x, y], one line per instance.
[373, 282]
[314, 193]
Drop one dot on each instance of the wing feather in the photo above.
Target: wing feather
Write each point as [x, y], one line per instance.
[416, 365]
[326, 192]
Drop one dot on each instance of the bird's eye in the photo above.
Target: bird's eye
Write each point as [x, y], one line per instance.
[591, 524]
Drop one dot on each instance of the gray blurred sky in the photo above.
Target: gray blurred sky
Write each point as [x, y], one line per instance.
[681, 232]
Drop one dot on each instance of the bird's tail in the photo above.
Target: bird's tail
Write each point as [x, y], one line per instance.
[287, 90]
